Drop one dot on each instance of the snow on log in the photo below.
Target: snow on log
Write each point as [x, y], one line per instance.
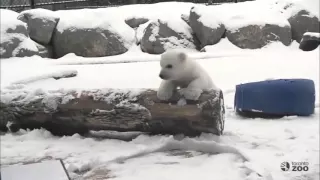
[67, 112]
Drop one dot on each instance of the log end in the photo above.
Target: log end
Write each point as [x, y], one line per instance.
[195, 117]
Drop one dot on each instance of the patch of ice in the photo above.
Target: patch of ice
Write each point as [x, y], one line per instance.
[312, 34]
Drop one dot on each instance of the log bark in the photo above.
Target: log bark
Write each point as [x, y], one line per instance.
[68, 112]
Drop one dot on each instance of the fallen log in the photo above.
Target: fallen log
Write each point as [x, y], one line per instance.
[67, 112]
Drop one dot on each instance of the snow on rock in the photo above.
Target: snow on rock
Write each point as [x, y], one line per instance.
[98, 34]
[299, 13]
[162, 35]
[9, 22]
[255, 36]
[14, 37]
[171, 14]
[228, 47]
[165, 10]
[302, 22]
[41, 24]
[140, 32]
[250, 29]
[310, 41]
[312, 34]
[209, 31]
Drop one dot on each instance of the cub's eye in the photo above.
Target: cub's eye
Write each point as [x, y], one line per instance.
[169, 66]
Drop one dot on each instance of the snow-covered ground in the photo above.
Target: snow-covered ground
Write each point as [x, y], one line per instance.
[266, 143]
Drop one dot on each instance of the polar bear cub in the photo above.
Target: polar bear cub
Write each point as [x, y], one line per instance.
[178, 70]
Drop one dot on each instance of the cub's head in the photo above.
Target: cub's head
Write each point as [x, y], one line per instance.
[173, 65]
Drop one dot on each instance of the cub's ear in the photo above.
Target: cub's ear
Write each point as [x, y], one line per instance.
[182, 56]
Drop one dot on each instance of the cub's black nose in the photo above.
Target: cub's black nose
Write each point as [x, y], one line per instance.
[161, 76]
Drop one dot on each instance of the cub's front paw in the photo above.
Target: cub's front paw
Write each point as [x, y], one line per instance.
[190, 94]
[164, 95]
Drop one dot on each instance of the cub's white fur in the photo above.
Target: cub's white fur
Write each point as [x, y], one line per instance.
[178, 70]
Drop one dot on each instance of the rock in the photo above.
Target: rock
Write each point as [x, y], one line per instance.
[135, 22]
[209, 31]
[17, 46]
[87, 43]
[14, 40]
[303, 22]
[41, 24]
[45, 51]
[310, 41]
[100, 38]
[160, 36]
[257, 36]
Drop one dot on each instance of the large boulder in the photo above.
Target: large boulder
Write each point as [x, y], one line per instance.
[207, 29]
[302, 22]
[102, 37]
[161, 35]
[257, 36]
[41, 24]
[14, 40]
[301, 16]
[310, 41]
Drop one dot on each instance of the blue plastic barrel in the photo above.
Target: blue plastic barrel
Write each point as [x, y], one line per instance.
[281, 97]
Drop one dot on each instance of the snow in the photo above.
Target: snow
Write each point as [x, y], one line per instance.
[40, 13]
[26, 44]
[9, 20]
[140, 31]
[169, 10]
[143, 157]
[49, 170]
[289, 8]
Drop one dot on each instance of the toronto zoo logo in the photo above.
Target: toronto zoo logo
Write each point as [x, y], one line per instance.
[294, 166]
